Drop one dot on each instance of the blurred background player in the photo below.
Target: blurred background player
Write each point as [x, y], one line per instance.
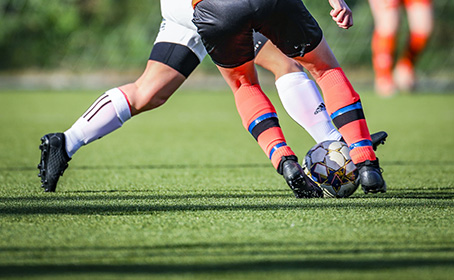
[226, 29]
[387, 18]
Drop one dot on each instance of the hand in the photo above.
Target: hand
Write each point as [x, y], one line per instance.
[341, 13]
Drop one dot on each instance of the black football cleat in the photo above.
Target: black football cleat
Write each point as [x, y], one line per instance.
[378, 138]
[301, 185]
[370, 177]
[54, 160]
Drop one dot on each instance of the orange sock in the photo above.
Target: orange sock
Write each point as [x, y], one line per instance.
[344, 105]
[260, 119]
[415, 46]
[411, 2]
[383, 54]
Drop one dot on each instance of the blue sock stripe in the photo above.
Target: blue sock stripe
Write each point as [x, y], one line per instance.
[363, 143]
[354, 106]
[260, 119]
[277, 146]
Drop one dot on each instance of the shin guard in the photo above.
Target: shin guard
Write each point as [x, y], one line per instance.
[345, 108]
[260, 119]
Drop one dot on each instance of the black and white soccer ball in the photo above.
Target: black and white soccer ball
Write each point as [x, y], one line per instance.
[329, 165]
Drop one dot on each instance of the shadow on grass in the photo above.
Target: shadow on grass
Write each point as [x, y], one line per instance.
[288, 248]
[119, 202]
[133, 204]
[211, 166]
[147, 166]
[282, 266]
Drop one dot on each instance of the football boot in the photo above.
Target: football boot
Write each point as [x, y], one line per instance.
[54, 160]
[378, 138]
[373, 180]
[370, 177]
[301, 185]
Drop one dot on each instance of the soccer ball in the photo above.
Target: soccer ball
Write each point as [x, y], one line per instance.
[329, 165]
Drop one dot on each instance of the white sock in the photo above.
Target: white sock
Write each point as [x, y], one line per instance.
[303, 102]
[105, 115]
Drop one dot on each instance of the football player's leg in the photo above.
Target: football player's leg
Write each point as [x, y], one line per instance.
[339, 95]
[165, 72]
[420, 21]
[177, 51]
[105, 115]
[228, 37]
[168, 67]
[344, 105]
[260, 119]
[234, 57]
[299, 94]
[117, 105]
[298, 35]
[386, 24]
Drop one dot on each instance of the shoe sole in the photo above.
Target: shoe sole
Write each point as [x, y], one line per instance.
[381, 190]
[45, 148]
[304, 193]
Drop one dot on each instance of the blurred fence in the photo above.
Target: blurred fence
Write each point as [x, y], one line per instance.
[117, 35]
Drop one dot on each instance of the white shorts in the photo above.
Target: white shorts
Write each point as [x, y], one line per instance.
[177, 27]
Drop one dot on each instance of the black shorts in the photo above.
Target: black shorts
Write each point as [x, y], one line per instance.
[259, 41]
[226, 28]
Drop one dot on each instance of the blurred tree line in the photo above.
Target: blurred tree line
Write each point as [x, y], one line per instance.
[80, 35]
[76, 34]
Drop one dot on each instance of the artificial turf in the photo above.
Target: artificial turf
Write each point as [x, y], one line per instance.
[184, 192]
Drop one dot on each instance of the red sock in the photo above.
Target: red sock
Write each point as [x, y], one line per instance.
[260, 119]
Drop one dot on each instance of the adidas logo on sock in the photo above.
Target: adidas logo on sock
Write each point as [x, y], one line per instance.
[320, 108]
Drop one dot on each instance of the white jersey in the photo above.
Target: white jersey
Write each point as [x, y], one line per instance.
[177, 27]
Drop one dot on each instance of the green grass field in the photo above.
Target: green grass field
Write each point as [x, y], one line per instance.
[185, 192]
